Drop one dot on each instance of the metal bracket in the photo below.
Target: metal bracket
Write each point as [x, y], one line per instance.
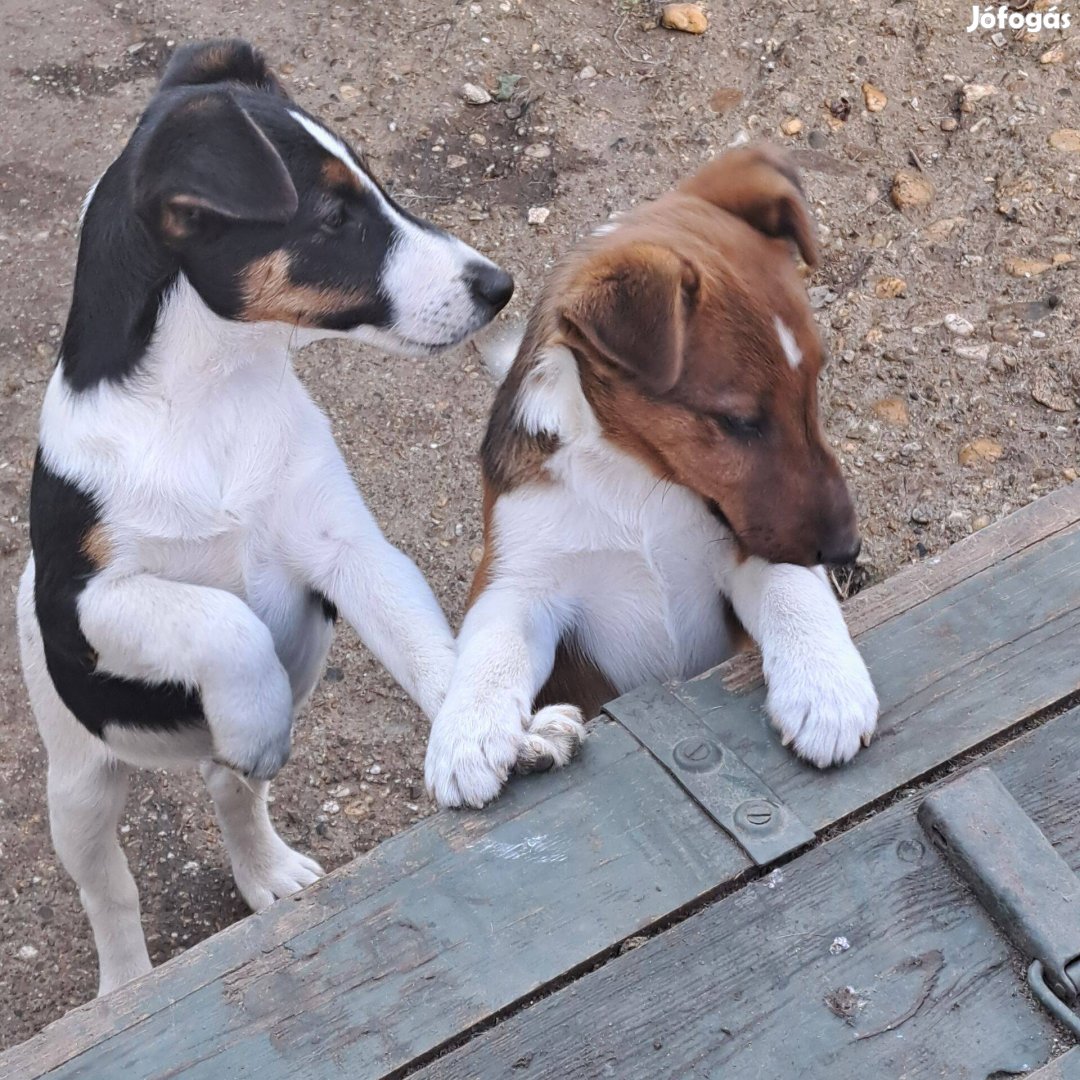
[1025, 885]
[712, 774]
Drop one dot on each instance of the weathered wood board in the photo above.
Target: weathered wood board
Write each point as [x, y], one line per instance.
[458, 917]
[950, 672]
[464, 917]
[754, 986]
[1066, 1067]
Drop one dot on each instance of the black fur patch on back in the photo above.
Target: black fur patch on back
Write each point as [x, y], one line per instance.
[60, 517]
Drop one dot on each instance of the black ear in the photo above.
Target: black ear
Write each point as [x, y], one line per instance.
[223, 60]
[208, 154]
[633, 305]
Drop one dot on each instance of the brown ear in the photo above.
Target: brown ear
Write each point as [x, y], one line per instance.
[632, 305]
[761, 185]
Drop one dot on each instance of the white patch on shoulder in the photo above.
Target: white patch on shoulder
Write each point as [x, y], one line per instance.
[551, 400]
[787, 341]
[612, 223]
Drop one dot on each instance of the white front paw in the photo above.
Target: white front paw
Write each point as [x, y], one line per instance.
[823, 703]
[272, 871]
[468, 761]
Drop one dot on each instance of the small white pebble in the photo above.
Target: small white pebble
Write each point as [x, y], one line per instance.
[958, 325]
[331, 807]
[27, 952]
[839, 945]
[538, 215]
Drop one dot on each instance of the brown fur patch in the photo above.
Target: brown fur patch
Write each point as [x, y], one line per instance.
[510, 455]
[97, 546]
[270, 294]
[577, 680]
[739, 637]
[482, 577]
[336, 174]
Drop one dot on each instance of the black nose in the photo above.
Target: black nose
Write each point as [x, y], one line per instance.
[841, 551]
[489, 285]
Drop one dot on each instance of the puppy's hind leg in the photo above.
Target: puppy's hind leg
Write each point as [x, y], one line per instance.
[87, 787]
[264, 866]
[85, 804]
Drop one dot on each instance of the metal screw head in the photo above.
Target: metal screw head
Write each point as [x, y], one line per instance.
[697, 754]
[756, 815]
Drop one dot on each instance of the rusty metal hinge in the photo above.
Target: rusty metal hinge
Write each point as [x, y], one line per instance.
[712, 774]
[1025, 885]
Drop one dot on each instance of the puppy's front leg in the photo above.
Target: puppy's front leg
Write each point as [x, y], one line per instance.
[820, 695]
[486, 726]
[334, 544]
[158, 631]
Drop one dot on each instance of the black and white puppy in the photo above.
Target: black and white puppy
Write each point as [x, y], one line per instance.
[193, 525]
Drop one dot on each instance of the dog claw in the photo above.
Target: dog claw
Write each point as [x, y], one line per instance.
[867, 738]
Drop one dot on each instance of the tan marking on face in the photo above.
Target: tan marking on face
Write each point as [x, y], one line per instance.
[270, 295]
[336, 174]
[97, 546]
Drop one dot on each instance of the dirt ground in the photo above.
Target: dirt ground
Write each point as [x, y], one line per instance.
[942, 426]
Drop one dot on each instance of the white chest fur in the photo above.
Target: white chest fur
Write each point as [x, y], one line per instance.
[637, 563]
[194, 460]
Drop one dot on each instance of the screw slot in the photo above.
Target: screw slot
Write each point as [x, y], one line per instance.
[697, 754]
[757, 815]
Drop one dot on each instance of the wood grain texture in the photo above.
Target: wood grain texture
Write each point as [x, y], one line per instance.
[388, 958]
[909, 587]
[749, 988]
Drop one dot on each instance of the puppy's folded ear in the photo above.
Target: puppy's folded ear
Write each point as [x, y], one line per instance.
[207, 154]
[223, 60]
[761, 185]
[632, 305]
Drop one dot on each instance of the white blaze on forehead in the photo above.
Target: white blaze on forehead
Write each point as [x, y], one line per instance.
[787, 341]
[333, 145]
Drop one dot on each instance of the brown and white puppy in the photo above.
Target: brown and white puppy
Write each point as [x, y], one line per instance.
[654, 456]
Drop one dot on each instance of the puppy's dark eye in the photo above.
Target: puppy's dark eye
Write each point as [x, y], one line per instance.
[334, 217]
[739, 427]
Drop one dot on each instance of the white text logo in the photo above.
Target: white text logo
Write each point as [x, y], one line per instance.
[1004, 19]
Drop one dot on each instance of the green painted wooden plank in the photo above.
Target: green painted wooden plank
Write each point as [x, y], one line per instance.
[441, 927]
[755, 986]
[951, 672]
